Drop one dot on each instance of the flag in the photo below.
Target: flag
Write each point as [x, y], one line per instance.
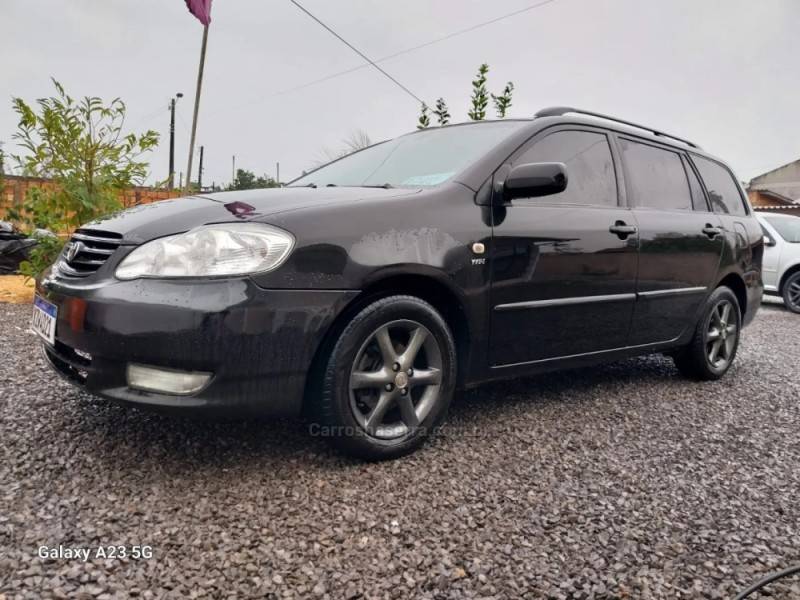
[200, 9]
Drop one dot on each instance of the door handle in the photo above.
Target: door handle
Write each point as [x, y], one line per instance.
[622, 229]
[711, 231]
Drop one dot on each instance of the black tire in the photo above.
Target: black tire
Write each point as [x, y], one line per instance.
[345, 410]
[791, 292]
[695, 359]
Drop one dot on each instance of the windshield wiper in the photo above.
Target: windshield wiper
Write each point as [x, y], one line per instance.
[385, 186]
[308, 185]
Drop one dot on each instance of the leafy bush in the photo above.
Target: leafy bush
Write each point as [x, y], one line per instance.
[80, 146]
[479, 101]
[41, 256]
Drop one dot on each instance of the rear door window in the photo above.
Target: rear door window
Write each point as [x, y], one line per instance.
[723, 192]
[655, 176]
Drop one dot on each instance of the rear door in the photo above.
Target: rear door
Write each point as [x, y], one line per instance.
[680, 240]
[563, 266]
[727, 200]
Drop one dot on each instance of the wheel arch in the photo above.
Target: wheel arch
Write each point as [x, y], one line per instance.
[786, 274]
[433, 288]
[736, 283]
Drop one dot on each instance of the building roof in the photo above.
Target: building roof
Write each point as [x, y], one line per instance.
[774, 195]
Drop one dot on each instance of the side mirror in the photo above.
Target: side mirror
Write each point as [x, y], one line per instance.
[532, 180]
[768, 241]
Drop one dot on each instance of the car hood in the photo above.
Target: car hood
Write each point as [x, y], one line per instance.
[149, 221]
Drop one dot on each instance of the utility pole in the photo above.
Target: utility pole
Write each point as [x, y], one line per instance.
[196, 104]
[180, 180]
[171, 181]
[278, 173]
[233, 169]
[200, 172]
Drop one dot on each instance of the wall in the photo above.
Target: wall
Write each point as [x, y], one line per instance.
[14, 189]
[784, 180]
[758, 199]
[764, 201]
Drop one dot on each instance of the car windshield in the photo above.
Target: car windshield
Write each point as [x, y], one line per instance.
[788, 228]
[421, 159]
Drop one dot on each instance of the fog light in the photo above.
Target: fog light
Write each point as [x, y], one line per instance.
[166, 381]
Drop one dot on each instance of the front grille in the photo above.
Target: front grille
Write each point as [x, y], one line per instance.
[87, 250]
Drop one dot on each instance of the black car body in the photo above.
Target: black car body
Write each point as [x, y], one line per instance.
[622, 261]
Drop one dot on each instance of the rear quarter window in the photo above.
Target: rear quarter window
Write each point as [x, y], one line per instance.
[723, 191]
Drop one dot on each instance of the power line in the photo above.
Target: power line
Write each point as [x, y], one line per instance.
[357, 51]
[418, 47]
[398, 53]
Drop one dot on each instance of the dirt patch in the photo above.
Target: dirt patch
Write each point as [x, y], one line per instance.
[13, 288]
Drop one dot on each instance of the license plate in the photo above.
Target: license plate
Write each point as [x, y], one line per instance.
[44, 319]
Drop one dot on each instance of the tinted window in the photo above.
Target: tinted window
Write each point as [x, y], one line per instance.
[722, 189]
[590, 168]
[421, 159]
[698, 196]
[788, 228]
[656, 177]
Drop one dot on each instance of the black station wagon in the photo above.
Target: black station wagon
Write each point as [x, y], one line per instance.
[364, 293]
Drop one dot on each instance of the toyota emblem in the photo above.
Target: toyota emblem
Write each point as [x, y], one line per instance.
[73, 251]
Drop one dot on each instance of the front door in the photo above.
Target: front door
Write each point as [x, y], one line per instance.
[680, 240]
[564, 265]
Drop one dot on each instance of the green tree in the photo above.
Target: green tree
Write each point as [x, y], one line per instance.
[424, 120]
[441, 112]
[480, 97]
[247, 180]
[503, 102]
[478, 102]
[81, 146]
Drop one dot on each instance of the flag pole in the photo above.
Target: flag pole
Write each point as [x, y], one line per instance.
[187, 184]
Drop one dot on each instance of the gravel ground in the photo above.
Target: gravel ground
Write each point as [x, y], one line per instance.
[621, 481]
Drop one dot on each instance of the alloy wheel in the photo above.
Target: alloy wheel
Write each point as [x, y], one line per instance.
[721, 335]
[395, 379]
[793, 293]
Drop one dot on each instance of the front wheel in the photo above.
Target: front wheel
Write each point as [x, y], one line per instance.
[716, 338]
[389, 379]
[791, 292]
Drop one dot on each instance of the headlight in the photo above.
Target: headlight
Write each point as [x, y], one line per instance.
[210, 251]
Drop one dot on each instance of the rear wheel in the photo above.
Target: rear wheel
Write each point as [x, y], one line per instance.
[791, 292]
[716, 338]
[389, 379]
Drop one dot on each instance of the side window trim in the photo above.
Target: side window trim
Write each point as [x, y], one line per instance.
[615, 160]
[689, 166]
[631, 203]
[745, 205]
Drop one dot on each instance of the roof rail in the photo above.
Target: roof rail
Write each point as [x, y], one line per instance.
[557, 111]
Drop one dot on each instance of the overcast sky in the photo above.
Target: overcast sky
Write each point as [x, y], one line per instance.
[720, 72]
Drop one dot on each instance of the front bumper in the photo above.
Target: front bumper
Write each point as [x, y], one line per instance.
[258, 343]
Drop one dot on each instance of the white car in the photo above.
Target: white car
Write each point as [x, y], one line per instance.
[781, 270]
